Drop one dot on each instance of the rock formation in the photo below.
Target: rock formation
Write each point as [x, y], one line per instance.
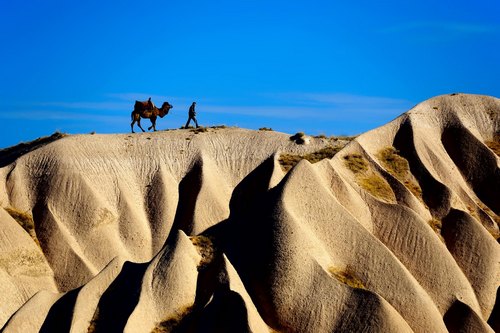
[187, 231]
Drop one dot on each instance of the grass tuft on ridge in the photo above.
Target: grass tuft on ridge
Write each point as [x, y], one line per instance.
[356, 163]
[494, 144]
[399, 167]
[205, 247]
[172, 322]
[346, 276]
[288, 161]
[368, 179]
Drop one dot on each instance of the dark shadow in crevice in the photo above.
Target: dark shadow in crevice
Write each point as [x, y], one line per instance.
[461, 318]
[435, 195]
[61, 314]
[189, 189]
[476, 163]
[248, 237]
[120, 299]
[216, 307]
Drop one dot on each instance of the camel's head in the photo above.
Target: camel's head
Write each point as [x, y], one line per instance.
[166, 106]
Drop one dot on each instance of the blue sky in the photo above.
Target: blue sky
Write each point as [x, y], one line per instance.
[322, 67]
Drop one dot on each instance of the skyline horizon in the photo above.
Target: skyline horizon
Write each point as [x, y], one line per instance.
[320, 67]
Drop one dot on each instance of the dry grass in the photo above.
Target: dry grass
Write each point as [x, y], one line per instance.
[395, 164]
[346, 276]
[494, 146]
[173, 321]
[327, 152]
[343, 138]
[473, 212]
[288, 161]
[269, 129]
[93, 323]
[398, 166]
[490, 213]
[415, 189]
[198, 130]
[205, 247]
[494, 232]
[377, 186]
[369, 180]
[436, 225]
[25, 220]
[356, 163]
[492, 113]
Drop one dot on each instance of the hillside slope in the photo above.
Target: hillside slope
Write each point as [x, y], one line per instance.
[204, 232]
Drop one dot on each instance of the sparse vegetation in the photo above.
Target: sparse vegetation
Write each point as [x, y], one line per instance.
[167, 325]
[415, 189]
[376, 186]
[494, 144]
[288, 161]
[205, 247]
[490, 213]
[395, 164]
[93, 323]
[265, 129]
[320, 136]
[369, 180]
[492, 113]
[346, 276]
[327, 152]
[343, 138]
[436, 225]
[493, 231]
[200, 129]
[356, 163]
[218, 126]
[25, 220]
[473, 212]
[398, 166]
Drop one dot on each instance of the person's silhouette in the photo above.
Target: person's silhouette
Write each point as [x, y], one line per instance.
[192, 115]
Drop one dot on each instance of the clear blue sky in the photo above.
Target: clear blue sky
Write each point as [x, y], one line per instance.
[331, 67]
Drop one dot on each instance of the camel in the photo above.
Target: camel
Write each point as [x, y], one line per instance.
[141, 110]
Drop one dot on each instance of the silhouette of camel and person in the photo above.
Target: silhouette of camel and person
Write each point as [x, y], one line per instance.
[148, 110]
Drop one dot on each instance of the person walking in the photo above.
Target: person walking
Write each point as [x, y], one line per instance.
[192, 115]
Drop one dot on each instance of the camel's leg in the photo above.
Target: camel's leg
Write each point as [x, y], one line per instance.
[139, 124]
[153, 126]
[134, 119]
